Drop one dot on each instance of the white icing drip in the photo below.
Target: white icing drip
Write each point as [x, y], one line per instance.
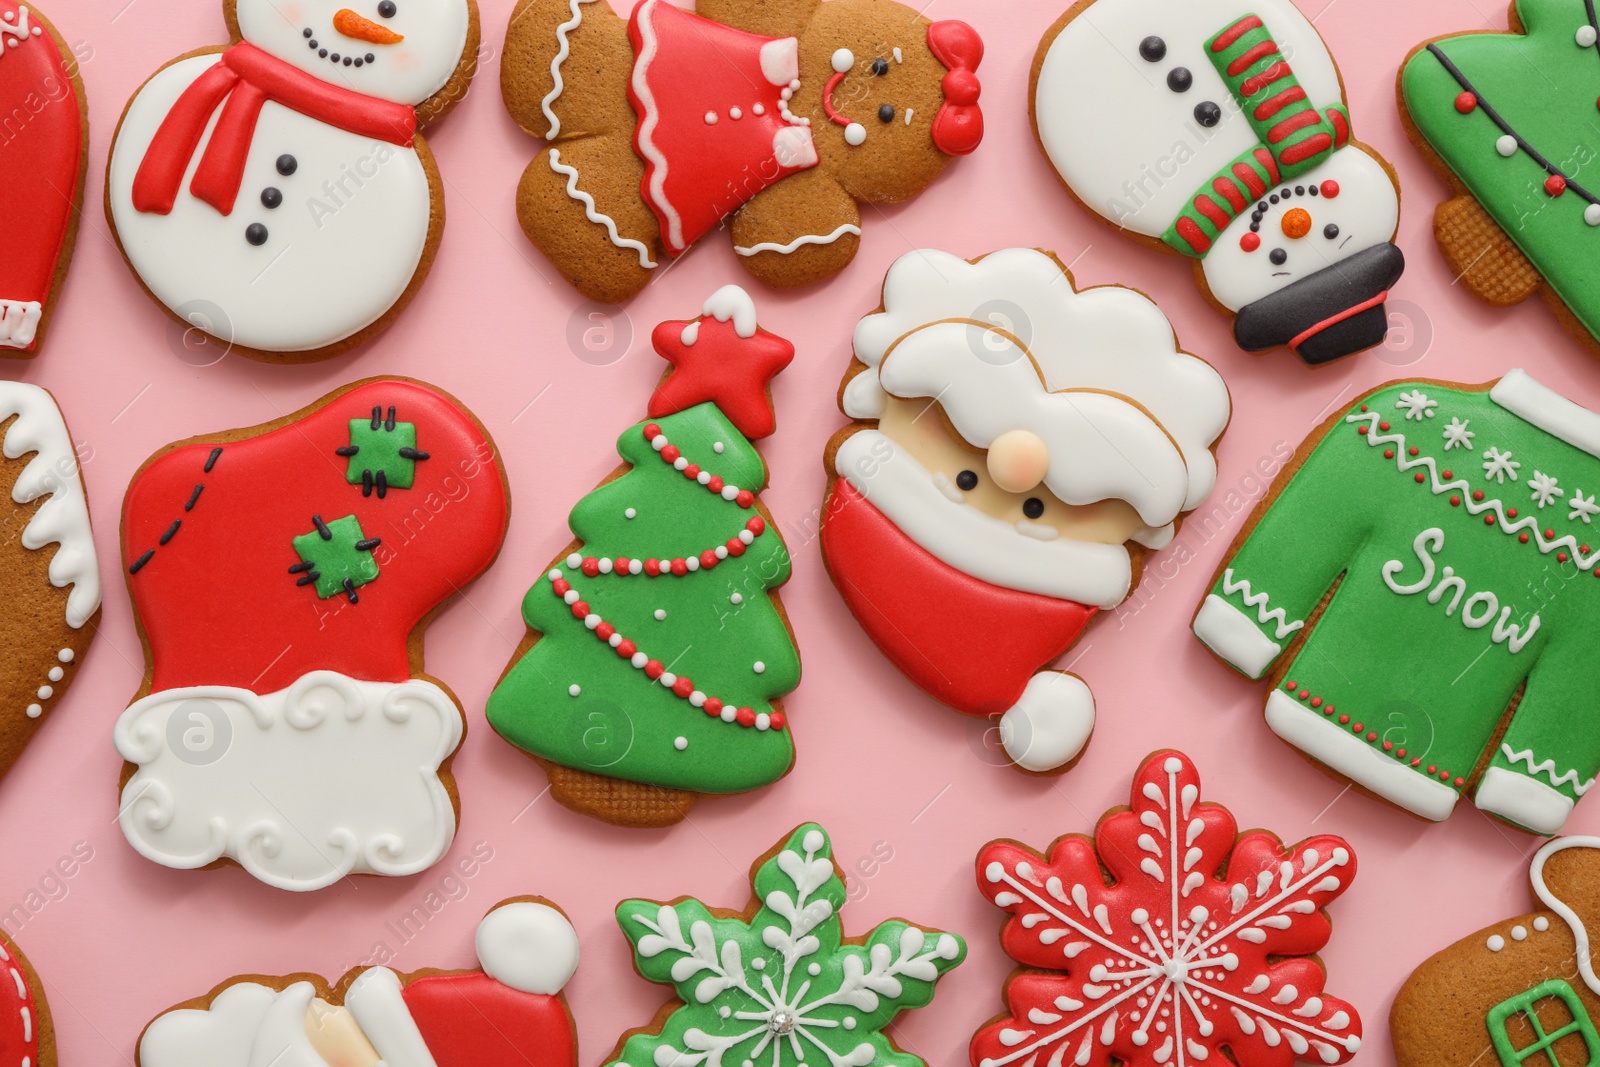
[63, 518]
[595, 215]
[562, 52]
[798, 242]
[731, 303]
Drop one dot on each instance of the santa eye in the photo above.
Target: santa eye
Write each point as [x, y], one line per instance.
[880, 67]
[387, 9]
[1033, 507]
[967, 481]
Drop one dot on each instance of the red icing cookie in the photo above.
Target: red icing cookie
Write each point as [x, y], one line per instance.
[26, 1036]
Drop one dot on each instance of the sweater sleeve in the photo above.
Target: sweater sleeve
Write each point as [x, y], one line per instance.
[1299, 544]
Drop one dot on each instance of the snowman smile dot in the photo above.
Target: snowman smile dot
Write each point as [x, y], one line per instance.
[287, 165]
[256, 234]
[271, 197]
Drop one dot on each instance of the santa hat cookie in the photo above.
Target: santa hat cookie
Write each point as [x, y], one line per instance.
[41, 174]
[276, 193]
[281, 576]
[1071, 435]
[511, 1013]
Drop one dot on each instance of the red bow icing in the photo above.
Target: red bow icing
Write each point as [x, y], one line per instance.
[240, 84]
[958, 128]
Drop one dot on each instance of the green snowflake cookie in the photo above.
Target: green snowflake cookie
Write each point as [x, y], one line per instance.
[336, 557]
[782, 987]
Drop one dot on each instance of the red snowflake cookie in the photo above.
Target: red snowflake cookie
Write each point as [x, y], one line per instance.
[1172, 960]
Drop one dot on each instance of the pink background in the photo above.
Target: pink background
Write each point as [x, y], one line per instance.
[880, 765]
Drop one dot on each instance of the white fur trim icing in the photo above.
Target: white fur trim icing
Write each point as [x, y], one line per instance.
[1579, 934]
[19, 320]
[1229, 633]
[1527, 802]
[780, 61]
[1050, 723]
[280, 1038]
[330, 777]
[595, 215]
[1519, 393]
[1357, 760]
[972, 542]
[63, 519]
[379, 1007]
[563, 50]
[798, 242]
[528, 946]
[219, 1036]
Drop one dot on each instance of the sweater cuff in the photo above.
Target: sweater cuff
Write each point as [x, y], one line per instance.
[1522, 801]
[1231, 634]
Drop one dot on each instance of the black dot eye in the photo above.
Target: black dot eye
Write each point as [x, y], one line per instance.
[1330, 231]
[886, 113]
[1152, 49]
[1179, 79]
[880, 67]
[1279, 257]
[387, 9]
[287, 165]
[967, 481]
[1207, 114]
[1033, 507]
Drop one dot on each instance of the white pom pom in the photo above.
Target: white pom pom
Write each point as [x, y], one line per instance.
[528, 946]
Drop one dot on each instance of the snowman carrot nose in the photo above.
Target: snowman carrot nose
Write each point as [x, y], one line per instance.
[353, 25]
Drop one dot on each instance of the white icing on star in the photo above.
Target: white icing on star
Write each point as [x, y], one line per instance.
[1583, 507]
[1417, 405]
[1545, 489]
[1498, 465]
[1456, 435]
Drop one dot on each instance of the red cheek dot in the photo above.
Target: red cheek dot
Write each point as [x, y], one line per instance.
[1250, 242]
[1330, 189]
[1466, 103]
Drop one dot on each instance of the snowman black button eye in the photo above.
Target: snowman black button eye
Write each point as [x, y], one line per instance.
[1033, 507]
[1330, 231]
[967, 481]
[880, 67]
[886, 113]
[256, 234]
[1179, 79]
[1207, 113]
[287, 165]
[1279, 257]
[387, 9]
[1152, 49]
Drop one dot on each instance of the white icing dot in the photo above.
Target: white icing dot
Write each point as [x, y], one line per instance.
[794, 86]
[758, 964]
[759, 109]
[813, 841]
[763, 721]
[1496, 943]
[575, 560]
[718, 447]
[735, 114]
[639, 660]
[814, 970]
[725, 1011]
[1541, 924]
[681, 743]
[65, 655]
[555, 574]
[1506, 145]
[711, 118]
[660, 614]
[759, 667]
[1586, 36]
[630, 514]
[56, 674]
[855, 134]
[729, 713]
[45, 692]
[668, 679]
[1519, 933]
[34, 711]
[574, 690]
[843, 60]
[1591, 214]
[899, 56]
[737, 598]
[849, 1022]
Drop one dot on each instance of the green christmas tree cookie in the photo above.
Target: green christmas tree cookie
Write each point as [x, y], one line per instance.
[657, 651]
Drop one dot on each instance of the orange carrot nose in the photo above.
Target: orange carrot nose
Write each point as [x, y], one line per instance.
[353, 25]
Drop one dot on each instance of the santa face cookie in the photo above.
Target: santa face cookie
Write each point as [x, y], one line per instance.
[308, 215]
[26, 1034]
[1496, 113]
[42, 164]
[510, 1012]
[1001, 483]
[1463, 538]
[1217, 129]
[51, 592]
[1521, 991]
[1167, 938]
[779, 983]
[777, 115]
[281, 577]
[657, 650]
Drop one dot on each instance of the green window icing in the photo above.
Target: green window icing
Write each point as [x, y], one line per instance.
[1526, 1004]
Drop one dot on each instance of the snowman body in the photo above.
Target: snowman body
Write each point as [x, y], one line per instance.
[329, 227]
[1134, 112]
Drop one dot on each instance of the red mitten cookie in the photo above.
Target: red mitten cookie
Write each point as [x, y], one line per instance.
[511, 1013]
[780, 115]
[282, 577]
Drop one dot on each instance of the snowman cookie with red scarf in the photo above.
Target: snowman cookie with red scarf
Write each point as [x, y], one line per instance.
[779, 116]
[276, 193]
[1019, 447]
[282, 577]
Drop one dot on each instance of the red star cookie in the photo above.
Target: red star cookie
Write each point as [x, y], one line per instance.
[722, 358]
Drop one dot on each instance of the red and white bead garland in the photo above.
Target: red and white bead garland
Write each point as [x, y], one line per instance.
[593, 566]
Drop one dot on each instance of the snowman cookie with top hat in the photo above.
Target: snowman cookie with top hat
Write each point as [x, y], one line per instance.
[276, 194]
[1217, 129]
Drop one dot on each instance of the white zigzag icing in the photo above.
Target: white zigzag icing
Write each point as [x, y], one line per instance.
[1548, 769]
[1508, 526]
[594, 213]
[1259, 601]
[808, 239]
[562, 53]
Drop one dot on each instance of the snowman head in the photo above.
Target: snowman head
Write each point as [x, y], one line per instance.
[402, 51]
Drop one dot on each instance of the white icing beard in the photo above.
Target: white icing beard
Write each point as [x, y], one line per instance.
[330, 777]
[1366, 212]
[408, 72]
[975, 543]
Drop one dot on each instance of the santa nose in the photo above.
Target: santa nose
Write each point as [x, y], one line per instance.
[1018, 460]
[355, 26]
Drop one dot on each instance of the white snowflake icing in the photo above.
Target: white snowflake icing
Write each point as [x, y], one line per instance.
[1456, 435]
[1583, 507]
[1417, 405]
[1545, 489]
[1498, 465]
